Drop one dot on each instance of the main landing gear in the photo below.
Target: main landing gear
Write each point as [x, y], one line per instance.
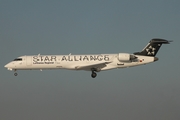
[93, 75]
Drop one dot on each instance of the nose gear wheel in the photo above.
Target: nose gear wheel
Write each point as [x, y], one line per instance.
[15, 74]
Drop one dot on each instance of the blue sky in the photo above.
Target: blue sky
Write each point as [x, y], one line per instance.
[89, 27]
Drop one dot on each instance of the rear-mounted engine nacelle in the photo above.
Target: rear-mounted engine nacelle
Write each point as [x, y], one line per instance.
[126, 57]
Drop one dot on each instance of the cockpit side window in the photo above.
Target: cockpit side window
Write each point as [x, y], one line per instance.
[18, 59]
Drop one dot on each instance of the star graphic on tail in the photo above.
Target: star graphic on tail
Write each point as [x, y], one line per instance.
[151, 50]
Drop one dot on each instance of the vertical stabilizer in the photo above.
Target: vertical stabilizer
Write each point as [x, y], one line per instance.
[152, 47]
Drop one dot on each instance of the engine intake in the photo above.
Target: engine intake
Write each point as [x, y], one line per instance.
[126, 57]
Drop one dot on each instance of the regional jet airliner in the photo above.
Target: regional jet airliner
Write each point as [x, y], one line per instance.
[93, 62]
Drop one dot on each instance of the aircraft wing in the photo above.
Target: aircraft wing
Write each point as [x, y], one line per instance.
[90, 67]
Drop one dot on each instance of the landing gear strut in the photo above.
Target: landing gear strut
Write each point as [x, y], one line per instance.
[15, 74]
[93, 75]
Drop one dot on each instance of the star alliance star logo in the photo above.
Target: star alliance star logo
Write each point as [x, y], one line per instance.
[150, 50]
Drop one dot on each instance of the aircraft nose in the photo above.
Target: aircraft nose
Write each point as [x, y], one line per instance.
[6, 66]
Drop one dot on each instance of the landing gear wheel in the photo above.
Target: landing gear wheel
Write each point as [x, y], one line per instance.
[15, 74]
[93, 75]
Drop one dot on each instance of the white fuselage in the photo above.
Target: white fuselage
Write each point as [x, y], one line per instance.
[75, 62]
[93, 63]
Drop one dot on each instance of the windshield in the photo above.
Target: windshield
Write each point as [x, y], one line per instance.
[18, 59]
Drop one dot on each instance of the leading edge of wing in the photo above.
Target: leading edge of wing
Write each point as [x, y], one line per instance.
[97, 66]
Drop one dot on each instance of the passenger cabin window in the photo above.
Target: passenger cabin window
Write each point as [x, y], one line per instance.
[18, 59]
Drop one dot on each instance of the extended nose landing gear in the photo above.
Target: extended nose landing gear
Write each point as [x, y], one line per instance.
[93, 75]
[15, 74]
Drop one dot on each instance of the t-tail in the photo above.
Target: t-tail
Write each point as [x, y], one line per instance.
[152, 47]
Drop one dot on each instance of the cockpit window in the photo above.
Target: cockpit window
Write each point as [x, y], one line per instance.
[18, 59]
